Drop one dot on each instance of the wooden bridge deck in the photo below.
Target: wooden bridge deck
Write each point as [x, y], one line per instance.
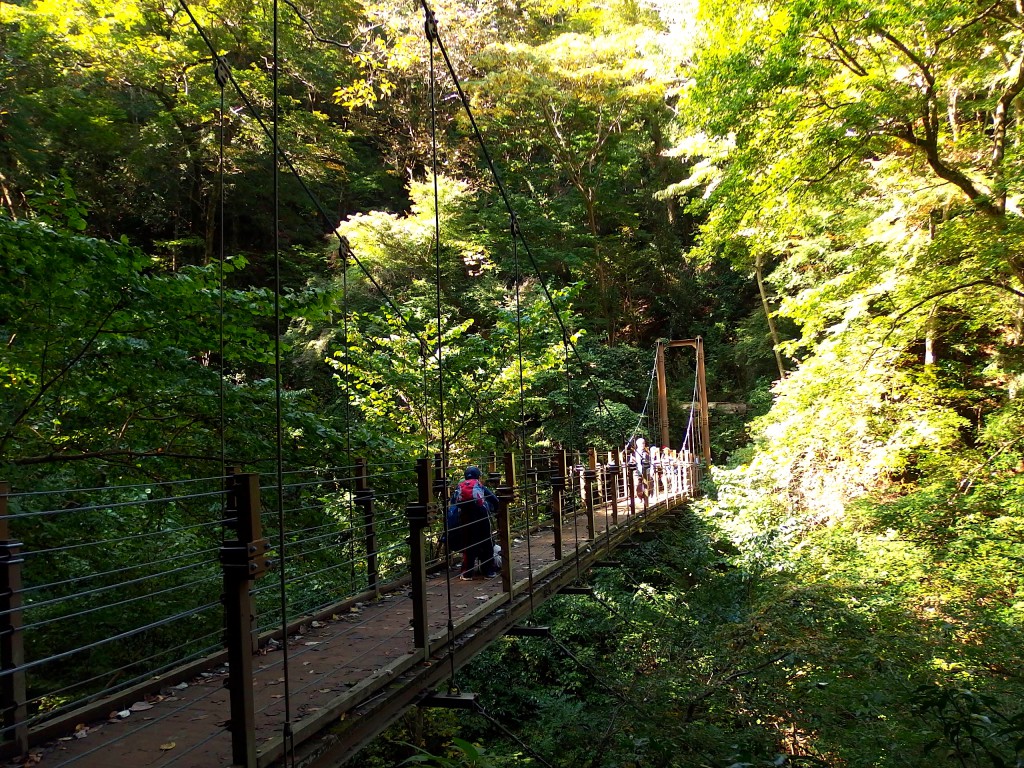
[350, 672]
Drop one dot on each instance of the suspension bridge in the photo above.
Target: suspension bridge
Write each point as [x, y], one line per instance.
[136, 627]
[217, 678]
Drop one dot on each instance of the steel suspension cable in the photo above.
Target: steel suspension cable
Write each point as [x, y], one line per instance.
[500, 726]
[508, 205]
[514, 226]
[286, 735]
[647, 400]
[286, 159]
[689, 424]
[219, 70]
[343, 243]
[350, 496]
[430, 29]
[570, 482]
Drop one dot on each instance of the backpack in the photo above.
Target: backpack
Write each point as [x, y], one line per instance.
[471, 491]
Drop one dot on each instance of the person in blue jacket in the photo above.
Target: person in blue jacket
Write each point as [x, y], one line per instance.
[474, 503]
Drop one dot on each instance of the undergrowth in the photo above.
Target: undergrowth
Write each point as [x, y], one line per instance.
[889, 635]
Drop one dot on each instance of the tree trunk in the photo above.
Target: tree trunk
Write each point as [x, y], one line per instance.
[1018, 324]
[768, 315]
[929, 337]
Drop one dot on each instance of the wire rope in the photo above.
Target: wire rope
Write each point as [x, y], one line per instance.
[430, 30]
[137, 487]
[220, 66]
[350, 496]
[647, 401]
[148, 724]
[120, 636]
[118, 540]
[108, 587]
[286, 728]
[522, 744]
[514, 226]
[570, 479]
[284, 157]
[117, 504]
[147, 675]
[508, 205]
[326, 219]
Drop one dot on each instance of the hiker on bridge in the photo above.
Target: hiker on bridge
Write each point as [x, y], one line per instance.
[475, 503]
[640, 460]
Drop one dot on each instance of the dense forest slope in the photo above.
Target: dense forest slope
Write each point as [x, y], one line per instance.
[829, 193]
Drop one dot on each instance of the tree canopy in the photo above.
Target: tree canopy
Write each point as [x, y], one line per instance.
[828, 193]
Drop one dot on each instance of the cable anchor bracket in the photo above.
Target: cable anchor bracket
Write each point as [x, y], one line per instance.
[221, 71]
[430, 25]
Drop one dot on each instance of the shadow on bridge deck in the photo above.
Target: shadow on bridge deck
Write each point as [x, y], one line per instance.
[350, 672]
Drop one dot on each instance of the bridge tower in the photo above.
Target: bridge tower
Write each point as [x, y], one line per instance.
[702, 391]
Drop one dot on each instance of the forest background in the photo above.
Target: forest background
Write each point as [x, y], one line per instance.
[827, 192]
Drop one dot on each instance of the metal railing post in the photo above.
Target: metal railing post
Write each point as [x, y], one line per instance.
[613, 475]
[506, 494]
[243, 559]
[418, 514]
[440, 489]
[364, 496]
[557, 498]
[12, 641]
[493, 473]
[589, 476]
[629, 465]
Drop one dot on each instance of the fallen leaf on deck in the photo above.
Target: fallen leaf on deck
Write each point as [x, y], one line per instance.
[140, 706]
[168, 745]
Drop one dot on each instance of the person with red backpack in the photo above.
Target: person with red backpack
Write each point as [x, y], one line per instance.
[475, 503]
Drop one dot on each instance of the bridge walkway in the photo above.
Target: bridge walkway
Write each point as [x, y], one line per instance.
[352, 669]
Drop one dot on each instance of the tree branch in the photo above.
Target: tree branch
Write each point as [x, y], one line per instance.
[954, 289]
[979, 197]
[316, 35]
[57, 457]
[832, 169]
[935, 295]
[968, 24]
[999, 122]
[917, 60]
[846, 58]
[691, 708]
[47, 385]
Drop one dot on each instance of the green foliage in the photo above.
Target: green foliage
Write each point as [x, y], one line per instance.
[861, 644]
[851, 594]
[973, 725]
[109, 371]
[462, 754]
